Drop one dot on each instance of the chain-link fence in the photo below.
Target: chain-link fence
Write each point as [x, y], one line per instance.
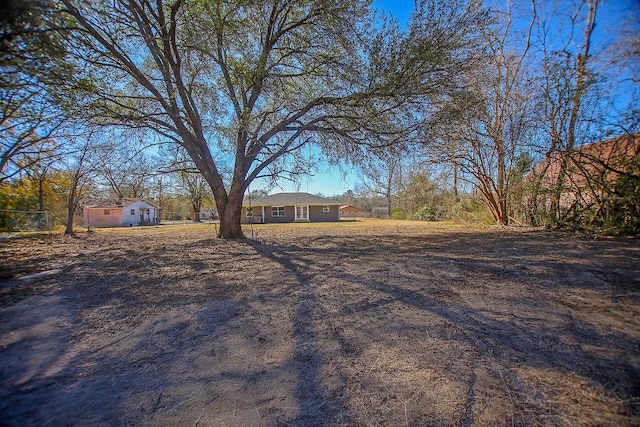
[14, 221]
[187, 217]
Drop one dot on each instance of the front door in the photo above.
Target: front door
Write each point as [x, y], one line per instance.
[302, 213]
[144, 212]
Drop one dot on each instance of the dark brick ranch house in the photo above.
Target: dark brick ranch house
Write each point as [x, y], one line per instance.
[289, 207]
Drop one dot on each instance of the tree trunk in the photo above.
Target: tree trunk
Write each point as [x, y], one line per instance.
[70, 214]
[71, 211]
[41, 193]
[456, 198]
[230, 216]
[196, 214]
[42, 217]
[230, 226]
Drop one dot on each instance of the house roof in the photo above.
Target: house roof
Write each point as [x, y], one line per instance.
[115, 203]
[352, 207]
[615, 153]
[289, 199]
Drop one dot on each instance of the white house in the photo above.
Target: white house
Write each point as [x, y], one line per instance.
[120, 213]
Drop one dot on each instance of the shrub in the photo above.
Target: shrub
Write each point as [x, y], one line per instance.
[471, 210]
[427, 212]
[398, 213]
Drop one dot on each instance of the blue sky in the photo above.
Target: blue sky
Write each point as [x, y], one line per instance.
[401, 9]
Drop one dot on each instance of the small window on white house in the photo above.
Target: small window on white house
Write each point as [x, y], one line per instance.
[133, 212]
[326, 209]
[277, 211]
[107, 212]
[249, 212]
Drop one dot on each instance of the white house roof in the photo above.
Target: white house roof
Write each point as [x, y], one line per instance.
[289, 199]
[116, 203]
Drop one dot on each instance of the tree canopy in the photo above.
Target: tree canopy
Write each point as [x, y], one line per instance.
[244, 85]
[31, 69]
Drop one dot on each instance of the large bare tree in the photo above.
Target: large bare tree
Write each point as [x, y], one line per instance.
[125, 170]
[484, 131]
[249, 83]
[79, 166]
[382, 173]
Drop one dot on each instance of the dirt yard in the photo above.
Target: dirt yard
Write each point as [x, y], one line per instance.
[352, 324]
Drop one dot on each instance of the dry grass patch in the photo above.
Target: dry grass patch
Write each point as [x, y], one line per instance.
[353, 323]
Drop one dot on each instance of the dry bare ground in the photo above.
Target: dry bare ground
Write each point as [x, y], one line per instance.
[362, 323]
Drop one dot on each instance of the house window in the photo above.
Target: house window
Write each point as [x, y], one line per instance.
[133, 212]
[326, 209]
[107, 211]
[249, 212]
[277, 211]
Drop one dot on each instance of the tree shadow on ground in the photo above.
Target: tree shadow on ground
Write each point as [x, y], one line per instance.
[316, 405]
[161, 334]
[325, 330]
[546, 337]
